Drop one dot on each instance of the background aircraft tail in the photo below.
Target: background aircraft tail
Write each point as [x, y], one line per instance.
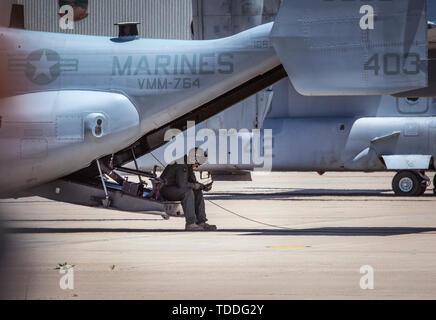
[351, 48]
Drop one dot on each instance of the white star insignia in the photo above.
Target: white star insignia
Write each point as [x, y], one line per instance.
[43, 66]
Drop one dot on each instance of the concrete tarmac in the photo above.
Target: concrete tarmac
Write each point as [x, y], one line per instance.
[327, 228]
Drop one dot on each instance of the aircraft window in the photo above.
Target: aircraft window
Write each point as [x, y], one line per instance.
[411, 130]
[342, 128]
[98, 129]
[412, 100]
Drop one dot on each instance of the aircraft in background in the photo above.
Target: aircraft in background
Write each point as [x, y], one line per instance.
[321, 134]
[75, 109]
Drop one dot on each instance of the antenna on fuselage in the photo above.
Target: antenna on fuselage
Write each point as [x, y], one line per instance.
[128, 30]
[17, 16]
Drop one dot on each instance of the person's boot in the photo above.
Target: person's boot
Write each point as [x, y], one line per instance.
[207, 227]
[193, 227]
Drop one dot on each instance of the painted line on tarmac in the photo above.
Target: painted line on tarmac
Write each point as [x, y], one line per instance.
[287, 247]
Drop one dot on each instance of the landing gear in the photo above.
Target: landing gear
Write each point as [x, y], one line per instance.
[410, 183]
[434, 184]
[423, 188]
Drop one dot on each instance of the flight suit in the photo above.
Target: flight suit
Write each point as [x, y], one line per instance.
[180, 180]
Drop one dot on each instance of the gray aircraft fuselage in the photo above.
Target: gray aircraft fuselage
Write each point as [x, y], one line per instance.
[69, 99]
[319, 133]
[328, 133]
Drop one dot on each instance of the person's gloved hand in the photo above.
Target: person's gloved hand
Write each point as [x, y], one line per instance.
[207, 188]
[198, 186]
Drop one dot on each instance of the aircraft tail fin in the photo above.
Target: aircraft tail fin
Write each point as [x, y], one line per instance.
[351, 48]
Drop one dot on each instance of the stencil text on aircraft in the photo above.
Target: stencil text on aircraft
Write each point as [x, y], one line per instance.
[181, 64]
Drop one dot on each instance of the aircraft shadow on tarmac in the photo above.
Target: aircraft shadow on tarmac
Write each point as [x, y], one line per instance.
[291, 194]
[327, 231]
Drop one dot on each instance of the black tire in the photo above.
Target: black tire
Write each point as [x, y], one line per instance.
[423, 188]
[434, 184]
[407, 184]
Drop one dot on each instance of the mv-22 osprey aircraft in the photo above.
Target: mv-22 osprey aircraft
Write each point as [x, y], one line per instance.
[322, 133]
[75, 109]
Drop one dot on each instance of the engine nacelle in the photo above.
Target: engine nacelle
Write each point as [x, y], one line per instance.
[48, 135]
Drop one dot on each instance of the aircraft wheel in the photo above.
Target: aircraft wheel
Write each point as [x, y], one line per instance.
[434, 184]
[408, 183]
[422, 188]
